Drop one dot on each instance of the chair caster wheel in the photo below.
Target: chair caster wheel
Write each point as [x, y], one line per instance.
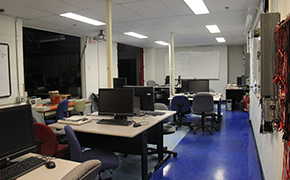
[211, 133]
[194, 132]
[174, 154]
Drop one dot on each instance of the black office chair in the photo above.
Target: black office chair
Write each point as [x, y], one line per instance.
[181, 105]
[167, 129]
[203, 104]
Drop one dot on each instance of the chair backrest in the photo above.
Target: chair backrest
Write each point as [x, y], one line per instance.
[73, 143]
[80, 105]
[85, 171]
[161, 106]
[37, 117]
[151, 83]
[61, 108]
[44, 133]
[202, 102]
[180, 100]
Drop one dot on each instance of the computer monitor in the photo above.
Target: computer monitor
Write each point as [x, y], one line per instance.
[167, 80]
[16, 132]
[184, 85]
[118, 102]
[119, 82]
[146, 95]
[198, 85]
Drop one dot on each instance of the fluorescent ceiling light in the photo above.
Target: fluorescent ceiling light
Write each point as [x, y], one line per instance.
[197, 6]
[82, 19]
[220, 39]
[213, 28]
[135, 35]
[162, 43]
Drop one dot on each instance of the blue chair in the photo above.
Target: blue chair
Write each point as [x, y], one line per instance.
[108, 158]
[61, 112]
[181, 105]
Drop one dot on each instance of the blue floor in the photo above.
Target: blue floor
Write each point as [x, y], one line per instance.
[228, 154]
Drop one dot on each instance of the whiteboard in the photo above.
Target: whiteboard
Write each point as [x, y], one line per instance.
[5, 87]
[195, 65]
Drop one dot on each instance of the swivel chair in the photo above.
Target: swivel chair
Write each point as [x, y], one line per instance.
[108, 158]
[85, 171]
[181, 105]
[167, 129]
[61, 112]
[151, 83]
[80, 106]
[203, 104]
[47, 142]
[37, 118]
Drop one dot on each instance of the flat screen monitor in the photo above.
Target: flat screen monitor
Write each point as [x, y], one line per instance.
[146, 95]
[198, 85]
[184, 85]
[16, 132]
[167, 80]
[118, 102]
[119, 82]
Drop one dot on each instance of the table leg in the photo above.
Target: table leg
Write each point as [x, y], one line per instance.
[144, 160]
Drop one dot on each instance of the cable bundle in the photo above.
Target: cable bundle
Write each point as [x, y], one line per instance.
[282, 68]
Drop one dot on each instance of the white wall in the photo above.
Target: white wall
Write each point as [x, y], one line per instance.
[11, 33]
[155, 58]
[236, 63]
[94, 66]
[270, 146]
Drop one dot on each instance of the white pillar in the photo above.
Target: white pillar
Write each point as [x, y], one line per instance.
[109, 43]
[172, 70]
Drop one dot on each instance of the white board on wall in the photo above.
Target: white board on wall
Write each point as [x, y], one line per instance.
[5, 88]
[195, 65]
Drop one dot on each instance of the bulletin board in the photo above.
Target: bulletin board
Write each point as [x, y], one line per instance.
[5, 84]
[195, 65]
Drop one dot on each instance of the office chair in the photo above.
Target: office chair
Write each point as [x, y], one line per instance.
[151, 83]
[181, 105]
[80, 106]
[47, 142]
[85, 171]
[203, 104]
[167, 129]
[108, 158]
[61, 112]
[37, 118]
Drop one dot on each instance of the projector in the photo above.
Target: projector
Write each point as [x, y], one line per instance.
[100, 36]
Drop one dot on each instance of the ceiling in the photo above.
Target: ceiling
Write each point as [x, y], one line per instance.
[153, 18]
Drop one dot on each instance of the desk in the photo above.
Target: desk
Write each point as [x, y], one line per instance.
[62, 168]
[52, 111]
[124, 139]
[217, 97]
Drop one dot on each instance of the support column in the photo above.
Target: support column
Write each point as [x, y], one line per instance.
[172, 68]
[109, 43]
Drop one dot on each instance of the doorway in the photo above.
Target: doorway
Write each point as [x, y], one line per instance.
[130, 64]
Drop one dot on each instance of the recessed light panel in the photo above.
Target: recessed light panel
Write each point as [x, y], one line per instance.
[197, 6]
[82, 19]
[135, 35]
[220, 39]
[213, 28]
[162, 43]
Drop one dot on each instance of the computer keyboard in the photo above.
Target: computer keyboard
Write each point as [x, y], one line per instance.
[115, 122]
[154, 113]
[20, 168]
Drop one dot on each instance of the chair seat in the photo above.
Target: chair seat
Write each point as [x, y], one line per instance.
[62, 151]
[168, 129]
[108, 159]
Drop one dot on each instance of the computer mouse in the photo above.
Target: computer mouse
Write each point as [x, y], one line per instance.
[136, 125]
[50, 165]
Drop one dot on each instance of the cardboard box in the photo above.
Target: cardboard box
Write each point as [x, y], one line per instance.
[55, 97]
